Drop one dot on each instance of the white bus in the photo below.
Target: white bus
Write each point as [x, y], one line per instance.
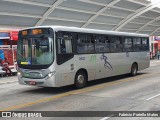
[55, 56]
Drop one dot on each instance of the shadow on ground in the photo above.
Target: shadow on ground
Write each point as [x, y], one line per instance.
[54, 91]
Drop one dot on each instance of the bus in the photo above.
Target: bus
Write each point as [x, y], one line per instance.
[55, 56]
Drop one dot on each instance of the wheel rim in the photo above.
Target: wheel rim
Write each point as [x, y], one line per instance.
[80, 79]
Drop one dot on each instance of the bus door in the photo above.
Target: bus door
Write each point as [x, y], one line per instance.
[65, 58]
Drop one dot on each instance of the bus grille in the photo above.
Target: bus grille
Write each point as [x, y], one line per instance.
[34, 75]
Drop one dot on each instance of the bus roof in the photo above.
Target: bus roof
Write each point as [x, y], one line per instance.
[87, 30]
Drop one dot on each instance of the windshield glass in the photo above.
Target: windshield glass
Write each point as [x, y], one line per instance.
[35, 51]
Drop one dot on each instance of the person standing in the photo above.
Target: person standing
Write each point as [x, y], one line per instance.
[6, 68]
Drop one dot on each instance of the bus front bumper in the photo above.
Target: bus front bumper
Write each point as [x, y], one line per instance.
[50, 82]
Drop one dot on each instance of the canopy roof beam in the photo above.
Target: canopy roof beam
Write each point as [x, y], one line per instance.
[48, 12]
[99, 13]
[136, 14]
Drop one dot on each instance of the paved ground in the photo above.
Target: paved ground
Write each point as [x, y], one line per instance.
[9, 79]
[122, 93]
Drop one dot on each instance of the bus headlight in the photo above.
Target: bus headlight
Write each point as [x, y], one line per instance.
[19, 73]
[50, 75]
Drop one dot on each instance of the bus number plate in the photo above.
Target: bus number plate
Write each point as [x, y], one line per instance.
[32, 83]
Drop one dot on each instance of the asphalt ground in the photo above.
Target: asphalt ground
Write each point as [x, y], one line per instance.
[121, 93]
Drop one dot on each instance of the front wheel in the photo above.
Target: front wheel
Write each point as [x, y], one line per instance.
[134, 69]
[80, 80]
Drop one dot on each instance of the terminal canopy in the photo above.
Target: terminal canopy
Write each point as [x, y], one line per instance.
[138, 16]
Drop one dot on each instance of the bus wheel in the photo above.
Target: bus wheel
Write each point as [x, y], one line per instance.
[80, 80]
[134, 69]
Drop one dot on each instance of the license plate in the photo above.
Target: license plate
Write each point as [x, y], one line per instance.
[32, 83]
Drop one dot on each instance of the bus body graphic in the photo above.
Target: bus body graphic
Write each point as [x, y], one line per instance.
[106, 63]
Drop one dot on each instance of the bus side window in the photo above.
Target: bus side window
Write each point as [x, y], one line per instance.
[137, 44]
[115, 44]
[65, 45]
[101, 43]
[85, 43]
[145, 44]
[128, 46]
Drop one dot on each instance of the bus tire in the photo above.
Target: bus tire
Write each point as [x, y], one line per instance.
[134, 69]
[80, 79]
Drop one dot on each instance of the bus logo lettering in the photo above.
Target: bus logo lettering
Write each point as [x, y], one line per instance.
[93, 58]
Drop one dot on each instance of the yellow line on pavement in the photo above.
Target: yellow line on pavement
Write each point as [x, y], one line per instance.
[88, 89]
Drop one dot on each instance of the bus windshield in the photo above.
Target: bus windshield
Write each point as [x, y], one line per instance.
[35, 51]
